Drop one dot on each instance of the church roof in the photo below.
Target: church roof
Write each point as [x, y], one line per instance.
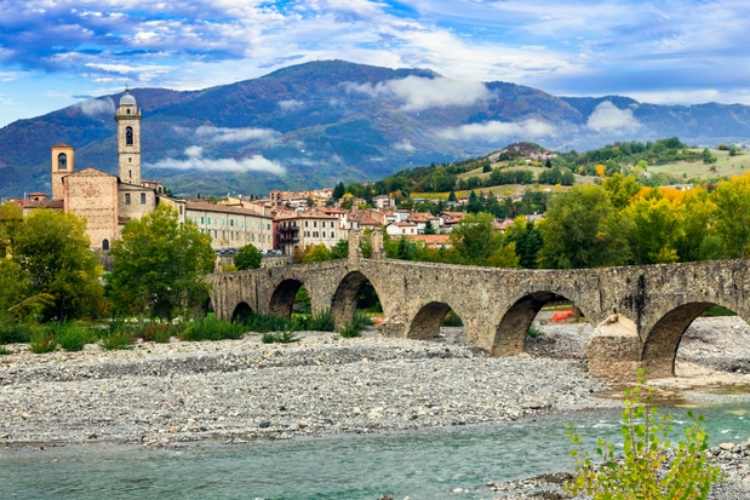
[127, 99]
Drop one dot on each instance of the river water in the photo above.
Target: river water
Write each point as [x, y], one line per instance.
[423, 465]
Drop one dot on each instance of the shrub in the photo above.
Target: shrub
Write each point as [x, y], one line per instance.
[157, 332]
[248, 257]
[320, 322]
[285, 337]
[4, 351]
[212, 328]
[119, 336]
[72, 337]
[361, 320]
[42, 340]
[350, 330]
[534, 332]
[267, 323]
[15, 333]
[651, 465]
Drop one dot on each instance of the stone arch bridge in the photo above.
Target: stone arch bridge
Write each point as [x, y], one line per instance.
[640, 312]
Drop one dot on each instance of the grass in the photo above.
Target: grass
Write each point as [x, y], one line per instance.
[4, 351]
[42, 340]
[354, 328]
[285, 337]
[15, 333]
[117, 340]
[212, 328]
[157, 332]
[725, 166]
[72, 337]
[318, 322]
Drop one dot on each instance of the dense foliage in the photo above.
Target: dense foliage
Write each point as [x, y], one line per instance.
[248, 257]
[158, 266]
[650, 464]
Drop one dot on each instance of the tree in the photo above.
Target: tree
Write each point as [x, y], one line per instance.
[340, 250]
[429, 228]
[708, 157]
[316, 253]
[527, 239]
[159, 266]
[732, 200]
[452, 196]
[653, 229]
[582, 229]
[53, 248]
[486, 167]
[621, 189]
[248, 257]
[11, 218]
[698, 239]
[338, 191]
[476, 242]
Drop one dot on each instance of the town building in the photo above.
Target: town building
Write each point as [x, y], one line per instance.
[398, 229]
[232, 227]
[298, 231]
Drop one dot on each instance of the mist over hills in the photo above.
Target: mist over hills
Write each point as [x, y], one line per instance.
[317, 123]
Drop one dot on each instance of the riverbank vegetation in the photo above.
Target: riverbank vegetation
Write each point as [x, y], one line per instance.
[650, 465]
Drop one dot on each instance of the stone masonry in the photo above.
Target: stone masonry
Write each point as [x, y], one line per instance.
[640, 312]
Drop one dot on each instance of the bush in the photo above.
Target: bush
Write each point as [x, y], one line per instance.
[42, 341]
[15, 333]
[4, 351]
[267, 323]
[350, 330]
[534, 332]
[119, 336]
[651, 465]
[361, 320]
[320, 322]
[157, 332]
[285, 337]
[248, 257]
[212, 328]
[72, 337]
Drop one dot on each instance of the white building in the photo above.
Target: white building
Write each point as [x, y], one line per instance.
[401, 229]
[231, 227]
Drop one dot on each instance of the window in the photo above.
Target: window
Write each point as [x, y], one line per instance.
[62, 161]
[201, 220]
[105, 245]
[143, 198]
[127, 198]
[128, 136]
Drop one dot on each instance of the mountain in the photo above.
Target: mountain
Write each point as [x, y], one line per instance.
[317, 123]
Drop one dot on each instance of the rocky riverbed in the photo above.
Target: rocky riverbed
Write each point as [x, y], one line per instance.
[161, 394]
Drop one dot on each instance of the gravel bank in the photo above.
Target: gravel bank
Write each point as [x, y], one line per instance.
[240, 390]
[732, 458]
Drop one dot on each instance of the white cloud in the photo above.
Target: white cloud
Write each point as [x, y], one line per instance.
[291, 104]
[495, 130]
[419, 93]
[245, 134]
[607, 117]
[93, 107]
[405, 146]
[196, 161]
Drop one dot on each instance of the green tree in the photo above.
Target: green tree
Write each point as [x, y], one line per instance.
[248, 257]
[429, 228]
[338, 191]
[340, 250]
[159, 266]
[732, 200]
[11, 218]
[697, 238]
[582, 229]
[452, 196]
[316, 253]
[621, 189]
[53, 248]
[653, 229]
[708, 157]
[15, 283]
[476, 242]
[528, 241]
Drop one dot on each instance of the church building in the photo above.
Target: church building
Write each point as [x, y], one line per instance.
[107, 202]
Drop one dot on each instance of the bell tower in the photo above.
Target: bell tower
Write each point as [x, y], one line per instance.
[128, 118]
[63, 162]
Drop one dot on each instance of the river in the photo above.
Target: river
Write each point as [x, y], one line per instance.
[422, 465]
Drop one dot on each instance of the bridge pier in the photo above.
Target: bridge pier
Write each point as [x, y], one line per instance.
[615, 351]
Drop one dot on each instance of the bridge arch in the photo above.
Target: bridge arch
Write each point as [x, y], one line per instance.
[344, 300]
[242, 312]
[282, 298]
[663, 340]
[510, 335]
[426, 323]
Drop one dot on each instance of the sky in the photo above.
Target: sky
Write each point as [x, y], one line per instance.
[54, 53]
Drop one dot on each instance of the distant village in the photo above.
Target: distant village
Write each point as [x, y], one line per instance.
[281, 224]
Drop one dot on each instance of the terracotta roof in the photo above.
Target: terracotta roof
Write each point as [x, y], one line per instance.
[421, 217]
[62, 145]
[307, 215]
[431, 239]
[206, 206]
[52, 204]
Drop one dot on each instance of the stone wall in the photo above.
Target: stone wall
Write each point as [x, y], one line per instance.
[92, 195]
[641, 311]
